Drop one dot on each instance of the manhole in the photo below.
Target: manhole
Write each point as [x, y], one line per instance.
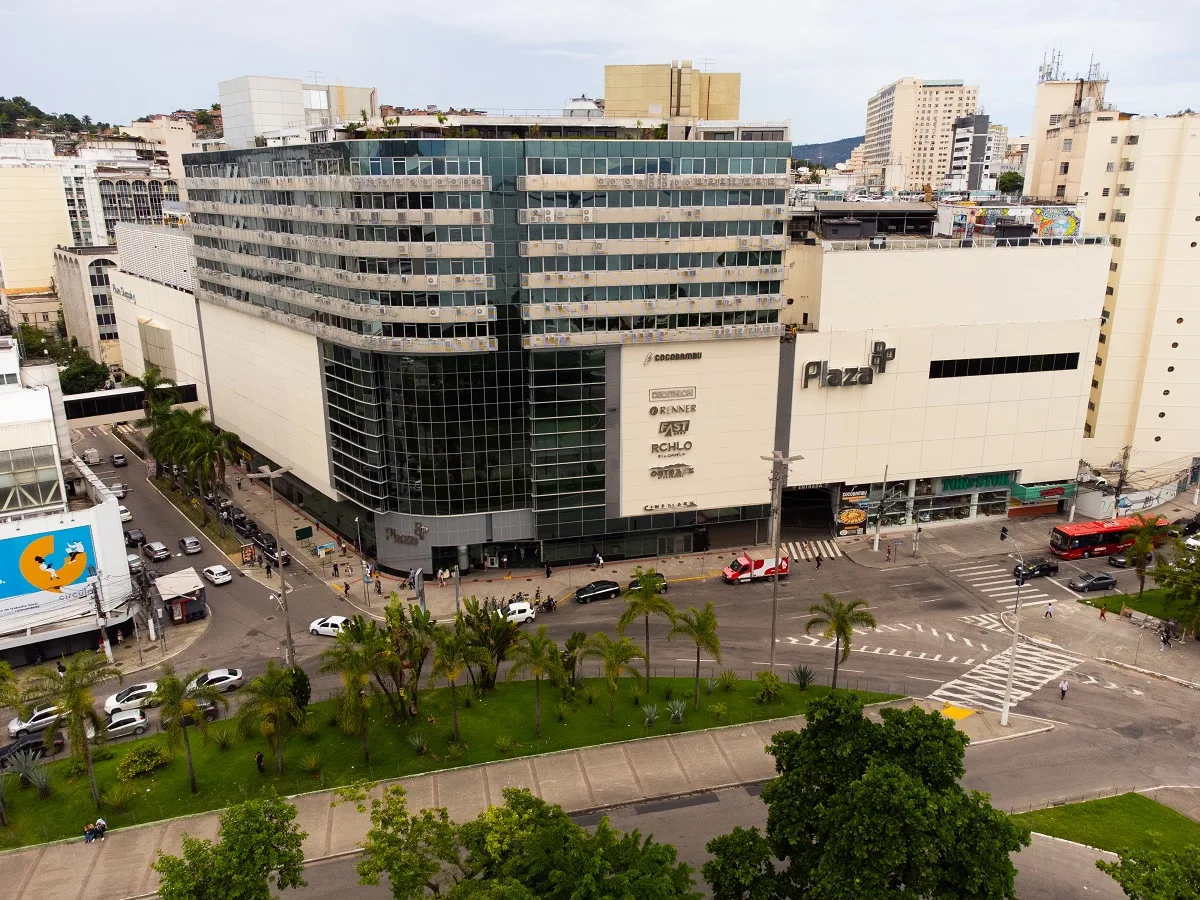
[252, 633]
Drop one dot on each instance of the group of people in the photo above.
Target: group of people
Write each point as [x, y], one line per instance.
[95, 831]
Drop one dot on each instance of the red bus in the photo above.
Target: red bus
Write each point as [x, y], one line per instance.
[1093, 538]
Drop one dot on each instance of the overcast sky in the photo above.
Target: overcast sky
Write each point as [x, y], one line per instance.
[813, 61]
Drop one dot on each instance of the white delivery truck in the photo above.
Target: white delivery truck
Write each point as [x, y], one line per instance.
[91, 456]
[753, 565]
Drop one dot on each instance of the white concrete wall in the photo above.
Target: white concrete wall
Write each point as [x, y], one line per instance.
[157, 252]
[253, 104]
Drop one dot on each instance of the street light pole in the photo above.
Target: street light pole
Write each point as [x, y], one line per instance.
[779, 466]
[1012, 657]
[289, 646]
[362, 566]
[101, 618]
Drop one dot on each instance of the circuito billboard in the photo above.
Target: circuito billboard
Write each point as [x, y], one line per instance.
[44, 566]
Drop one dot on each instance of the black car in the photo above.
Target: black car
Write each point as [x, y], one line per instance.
[1036, 568]
[231, 513]
[1185, 527]
[246, 527]
[1125, 560]
[134, 537]
[118, 460]
[273, 556]
[265, 541]
[597, 590]
[658, 576]
[1092, 581]
[33, 743]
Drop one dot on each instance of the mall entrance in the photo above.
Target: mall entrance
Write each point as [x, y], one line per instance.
[808, 512]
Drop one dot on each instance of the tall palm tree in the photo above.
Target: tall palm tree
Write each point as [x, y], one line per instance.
[644, 600]
[538, 655]
[269, 704]
[453, 652]
[413, 637]
[353, 660]
[492, 631]
[182, 703]
[158, 392]
[699, 626]
[615, 657]
[10, 695]
[838, 619]
[71, 692]
[1148, 537]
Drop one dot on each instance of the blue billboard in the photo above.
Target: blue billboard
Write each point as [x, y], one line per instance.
[46, 563]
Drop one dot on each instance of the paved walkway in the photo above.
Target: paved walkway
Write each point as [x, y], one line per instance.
[578, 780]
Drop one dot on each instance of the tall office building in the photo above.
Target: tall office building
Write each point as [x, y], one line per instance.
[1140, 179]
[260, 110]
[973, 155]
[674, 90]
[910, 131]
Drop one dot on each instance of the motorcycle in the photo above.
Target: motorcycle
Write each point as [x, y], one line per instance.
[547, 605]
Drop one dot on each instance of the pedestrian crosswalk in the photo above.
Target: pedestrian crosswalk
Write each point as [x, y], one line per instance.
[990, 621]
[996, 582]
[983, 686]
[809, 549]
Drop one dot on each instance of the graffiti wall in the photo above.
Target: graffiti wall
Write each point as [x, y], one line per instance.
[1047, 221]
[44, 566]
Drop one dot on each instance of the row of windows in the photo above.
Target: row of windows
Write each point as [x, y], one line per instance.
[1003, 365]
[659, 199]
[382, 233]
[264, 168]
[653, 230]
[668, 291]
[639, 323]
[344, 199]
[624, 262]
[406, 266]
[413, 165]
[627, 165]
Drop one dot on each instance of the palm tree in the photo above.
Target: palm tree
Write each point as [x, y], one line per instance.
[412, 636]
[454, 651]
[353, 660]
[158, 392]
[536, 654]
[701, 628]
[1149, 534]
[10, 695]
[615, 656]
[268, 702]
[838, 619]
[71, 692]
[492, 631]
[183, 703]
[644, 600]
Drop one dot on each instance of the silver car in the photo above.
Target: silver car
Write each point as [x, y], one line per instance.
[123, 724]
[190, 545]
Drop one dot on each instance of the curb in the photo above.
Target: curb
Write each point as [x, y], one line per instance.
[1051, 837]
[1150, 672]
[1012, 737]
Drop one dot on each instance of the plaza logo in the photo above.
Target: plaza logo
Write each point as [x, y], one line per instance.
[669, 357]
[667, 507]
[819, 370]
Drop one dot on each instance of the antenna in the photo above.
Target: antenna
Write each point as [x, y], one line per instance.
[706, 61]
[316, 76]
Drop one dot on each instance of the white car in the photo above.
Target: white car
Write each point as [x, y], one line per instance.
[133, 697]
[1193, 543]
[218, 575]
[221, 679]
[126, 515]
[518, 612]
[122, 724]
[40, 718]
[330, 626]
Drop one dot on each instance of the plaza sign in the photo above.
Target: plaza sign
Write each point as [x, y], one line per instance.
[819, 370]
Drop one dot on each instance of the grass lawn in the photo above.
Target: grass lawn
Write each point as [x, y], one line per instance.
[228, 776]
[190, 506]
[1120, 824]
[1154, 602]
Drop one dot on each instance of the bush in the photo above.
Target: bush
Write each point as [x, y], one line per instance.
[651, 713]
[804, 676]
[103, 752]
[677, 708]
[710, 685]
[119, 796]
[718, 712]
[24, 764]
[504, 745]
[312, 763]
[561, 710]
[589, 694]
[638, 694]
[224, 735]
[456, 749]
[419, 742]
[301, 687]
[727, 680]
[142, 758]
[770, 687]
[669, 692]
[40, 779]
[311, 726]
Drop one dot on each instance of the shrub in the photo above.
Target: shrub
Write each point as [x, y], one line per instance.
[504, 744]
[638, 694]
[142, 758]
[119, 795]
[561, 710]
[804, 676]
[24, 764]
[677, 708]
[456, 749]
[727, 680]
[301, 687]
[419, 742]
[224, 735]
[103, 752]
[710, 685]
[651, 712]
[589, 694]
[40, 779]
[770, 687]
[717, 711]
[669, 692]
[312, 763]
[310, 726]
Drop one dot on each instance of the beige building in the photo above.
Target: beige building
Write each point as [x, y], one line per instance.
[81, 275]
[33, 220]
[1140, 179]
[910, 130]
[171, 139]
[674, 90]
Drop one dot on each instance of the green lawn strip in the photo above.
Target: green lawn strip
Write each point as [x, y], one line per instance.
[229, 776]
[1153, 602]
[189, 505]
[1121, 824]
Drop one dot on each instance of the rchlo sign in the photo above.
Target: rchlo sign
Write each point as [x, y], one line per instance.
[820, 371]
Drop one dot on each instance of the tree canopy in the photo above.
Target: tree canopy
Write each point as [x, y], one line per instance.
[865, 810]
[1157, 876]
[1010, 183]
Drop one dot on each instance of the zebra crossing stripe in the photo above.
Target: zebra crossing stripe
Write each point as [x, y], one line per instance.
[827, 548]
[984, 685]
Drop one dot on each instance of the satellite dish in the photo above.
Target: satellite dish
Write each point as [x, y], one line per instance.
[840, 166]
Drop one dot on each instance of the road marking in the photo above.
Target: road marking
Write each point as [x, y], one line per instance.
[934, 600]
[976, 568]
[967, 641]
[920, 678]
[919, 628]
[952, 659]
[983, 687]
[1065, 588]
[692, 660]
[840, 669]
[934, 630]
[949, 635]
[905, 584]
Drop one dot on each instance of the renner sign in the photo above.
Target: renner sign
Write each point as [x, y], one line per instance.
[818, 370]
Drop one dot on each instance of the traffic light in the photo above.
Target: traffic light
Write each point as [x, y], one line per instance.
[1020, 578]
[1004, 532]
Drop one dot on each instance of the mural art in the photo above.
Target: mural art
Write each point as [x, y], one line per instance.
[1047, 221]
[39, 566]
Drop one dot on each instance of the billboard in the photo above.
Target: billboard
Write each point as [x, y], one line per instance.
[49, 565]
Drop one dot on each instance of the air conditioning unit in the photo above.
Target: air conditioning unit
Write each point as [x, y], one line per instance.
[431, 280]
[434, 312]
[375, 217]
[431, 249]
[453, 182]
[597, 247]
[587, 215]
[560, 248]
[458, 279]
[477, 218]
[560, 214]
[587, 276]
[479, 279]
[689, 272]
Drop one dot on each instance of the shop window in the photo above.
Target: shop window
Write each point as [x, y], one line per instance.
[1003, 365]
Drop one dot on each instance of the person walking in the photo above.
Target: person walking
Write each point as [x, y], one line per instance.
[267, 569]
[504, 560]
[378, 587]
[237, 479]
[336, 572]
[818, 559]
[341, 547]
[1049, 610]
[346, 587]
[599, 561]
[1062, 689]
[889, 554]
[1104, 612]
[258, 761]
[547, 570]
[1165, 637]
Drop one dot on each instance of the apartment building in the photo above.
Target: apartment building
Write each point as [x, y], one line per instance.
[675, 90]
[81, 276]
[910, 131]
[1139, 177]
[261, 110]
[171, 138]
[972, 155]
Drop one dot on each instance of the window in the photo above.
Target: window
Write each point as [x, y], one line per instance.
[1113, 139]
[1003, 365]
[1111, 167]
[45, 317]
[1112, 267]
[1063, 168]
[1109, 291]
[1060, 191]
[1104, 193]
[1131, 139]
[1118, 216]
[1067, 142]
[1103, 339]
[1101, 217]
[1095, 383]
[1116, 242]
[1099, 361]
[1126, 166]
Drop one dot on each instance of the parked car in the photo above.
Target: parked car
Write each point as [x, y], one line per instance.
[235, 514]
[520, 612]
[190, 545]
[118, 489]
[118, 460]
[135, 564]
[597, 590]
[40, 718]
[134, 537]
[156, 550]
[218, 575]
[208, 710]
[1036, 568]
[221, 679]
[1126, 559]
[246, 527]
[126, 515]
[1193, 543]
[330, 626]
[32, 743]
[122, 724]
[133, 697]
[658, 576]
[265, 541]
[1186, 527]
[273, 557]
[1092, 581]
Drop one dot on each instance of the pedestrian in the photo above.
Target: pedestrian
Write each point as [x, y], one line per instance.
[378, 587]
[1104, 612]
[504, 560]
[346, 587]
[599, 561]
[1062, 689]
[889, 554]
[258, 761]
[342, 546]
[818, 559]
[336, 574]
[441, 577]
[89, 833]
[237, 479]
[1049, 610]
[62, 670]
[1166, 640]
[547, 570]
[267, 568]
[120, 638]
[101, 827]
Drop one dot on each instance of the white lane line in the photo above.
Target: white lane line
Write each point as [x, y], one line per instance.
[934, 600]
[891, 653]
[920, 678]
[905, 584]
[952, 659]
[967, 641]
[919, 628]
[949, 635]
[1065, 588]
[934, 630]
[976, 568]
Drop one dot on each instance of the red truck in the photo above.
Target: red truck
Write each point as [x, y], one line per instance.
[753, 565]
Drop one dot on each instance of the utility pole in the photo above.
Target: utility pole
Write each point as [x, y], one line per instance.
[779, 467]
[362, 564]
[879, 512]
[289, 646]
[1012, 657]
[457, 586]
[1125, 451]
[100, 617]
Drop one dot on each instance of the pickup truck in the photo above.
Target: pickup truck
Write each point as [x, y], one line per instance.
[751, 566]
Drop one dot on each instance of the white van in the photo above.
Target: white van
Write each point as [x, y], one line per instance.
[518, 612]
[91, 456]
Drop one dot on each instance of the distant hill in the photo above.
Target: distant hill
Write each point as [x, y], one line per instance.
[830, 153]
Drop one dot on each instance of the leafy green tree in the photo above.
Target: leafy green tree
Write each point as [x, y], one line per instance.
[570, 656]
[538, 655]
[269, 705]
[700, 627]
[838, 621]
[1010, 183]
[615, 657]
[1153, 875]
[1149, 536]
[1180, 578]
[260, 849]
[72, 693]
[453, 652]
[182, 705]
[301, 687]
[860, 809]
[82, 375]
[352, 660]
[644, 600]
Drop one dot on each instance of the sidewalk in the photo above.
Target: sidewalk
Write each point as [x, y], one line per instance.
[580, 781]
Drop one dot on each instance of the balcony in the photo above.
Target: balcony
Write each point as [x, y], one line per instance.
[650, 182]
[651, 336]
[347, 216]
[944, 243]
[374, 249]
[652, 245]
